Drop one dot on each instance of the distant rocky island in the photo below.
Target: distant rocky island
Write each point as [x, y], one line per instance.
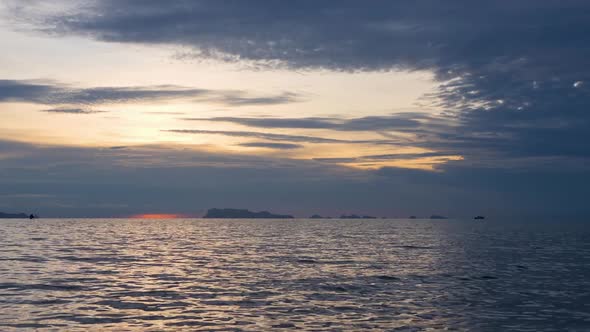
[243, 214]
[354, 216]
[317, 216]
[13, 215]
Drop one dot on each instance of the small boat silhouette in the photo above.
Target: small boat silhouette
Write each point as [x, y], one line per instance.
[479, 218]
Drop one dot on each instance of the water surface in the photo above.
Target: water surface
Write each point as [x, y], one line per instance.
[314, 275]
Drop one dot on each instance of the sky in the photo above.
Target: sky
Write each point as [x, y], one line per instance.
[116, 108]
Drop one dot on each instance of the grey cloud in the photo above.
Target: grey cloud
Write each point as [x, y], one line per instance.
[270, 145]
[510, 70]
[72, 111]
[344, 34]
[52, 93]
[142, 178]
[242, 99]
[275, 137]
[369, 123]
[336, 160]
[399, 156]
[490, 136]
[103, 182]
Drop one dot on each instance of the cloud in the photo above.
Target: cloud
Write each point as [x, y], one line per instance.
[511, 73]
[512, 86]
[270, 145]
[72, 111]
[105, 182]
[242, 99]
[345, 34]
[369, 123]
[142, 178]
[398, 156]
[52, 93]
[329, 34]
[275, 137]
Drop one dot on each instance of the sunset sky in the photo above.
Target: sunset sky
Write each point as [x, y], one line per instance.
[120, 108]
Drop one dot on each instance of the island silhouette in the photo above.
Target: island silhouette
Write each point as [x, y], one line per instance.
[13, 215]
[243, 214]
[231, 213]
[317, 216]
[354, 216]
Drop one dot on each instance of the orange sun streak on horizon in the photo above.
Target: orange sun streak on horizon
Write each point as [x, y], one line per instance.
[157, 216]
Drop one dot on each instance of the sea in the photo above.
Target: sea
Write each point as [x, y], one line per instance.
[305, 275]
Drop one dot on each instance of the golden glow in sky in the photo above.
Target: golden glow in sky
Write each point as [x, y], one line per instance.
[229, 90]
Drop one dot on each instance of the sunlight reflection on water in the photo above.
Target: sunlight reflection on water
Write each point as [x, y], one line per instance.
[321, 275]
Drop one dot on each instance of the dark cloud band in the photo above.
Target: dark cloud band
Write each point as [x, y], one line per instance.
[275, 137]
[513, 74]
[51, 93]
[271, 145]
[370, 123]
[72, 111]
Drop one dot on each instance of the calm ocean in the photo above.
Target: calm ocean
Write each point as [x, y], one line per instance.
[315, 275]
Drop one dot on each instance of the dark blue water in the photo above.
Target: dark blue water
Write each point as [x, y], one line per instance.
[316, 275]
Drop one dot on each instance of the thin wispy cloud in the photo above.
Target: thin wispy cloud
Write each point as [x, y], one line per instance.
[274, 137]
[72, 111]
[397, 156]
[272, 145]
[52, 93]
[370, 123]
[243, 99]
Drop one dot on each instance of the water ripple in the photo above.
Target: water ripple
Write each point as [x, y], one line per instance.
[256, 275]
